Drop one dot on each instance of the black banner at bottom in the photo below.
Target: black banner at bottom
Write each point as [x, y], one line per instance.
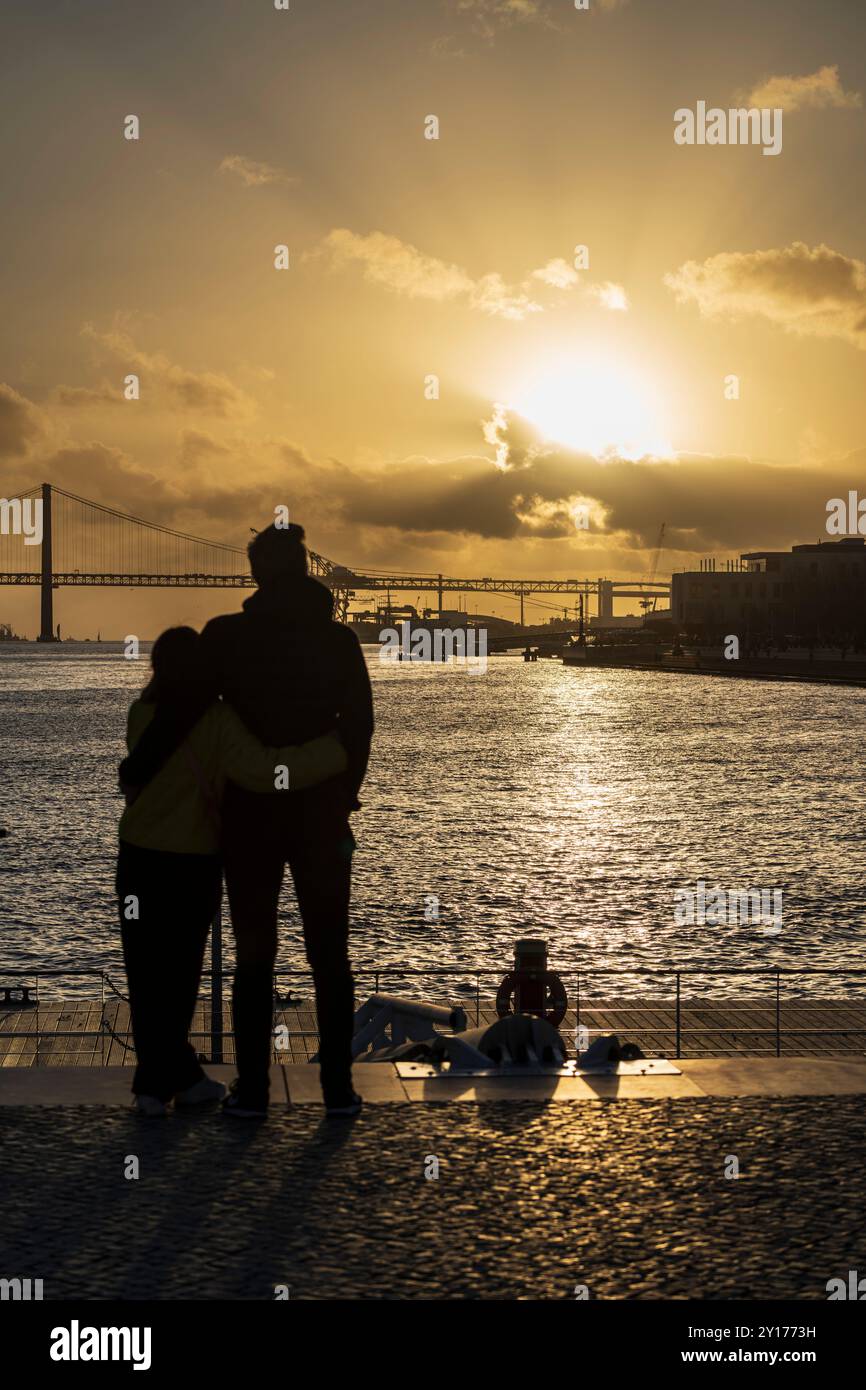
[59, 1340]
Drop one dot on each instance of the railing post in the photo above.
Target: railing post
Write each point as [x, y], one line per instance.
[216, 984]
[477, 1001]
[679, 1039]
[577, 1012]
[778, 1013]
[275, 1000]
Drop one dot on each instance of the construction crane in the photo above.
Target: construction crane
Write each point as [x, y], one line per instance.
[649, 604]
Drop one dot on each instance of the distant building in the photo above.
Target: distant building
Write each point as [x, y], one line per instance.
[810, 589]
[625, 620]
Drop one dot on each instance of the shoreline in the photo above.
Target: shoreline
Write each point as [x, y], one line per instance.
[812, 674]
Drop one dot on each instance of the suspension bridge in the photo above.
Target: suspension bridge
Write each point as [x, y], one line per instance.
[54, 539]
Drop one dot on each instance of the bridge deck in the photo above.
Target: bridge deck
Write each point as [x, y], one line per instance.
[338, 578]
[88, 1033]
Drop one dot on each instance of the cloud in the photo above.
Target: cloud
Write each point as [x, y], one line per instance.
[562, 276]
[104, 474]
[398, 265]
[446, 47]
[557, 273]
[492, 296]
[489, 15]
[815, 291]
[20, 425]
[610, 296]
[204, 498]
[816, 90]
[401, 267]
[195, 446]
[88, 398]
[211, 393]
[531, 490]
[518, 487]
[107, 475]
[253, 172]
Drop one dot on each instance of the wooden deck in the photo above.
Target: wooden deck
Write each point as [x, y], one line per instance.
[76, 1033]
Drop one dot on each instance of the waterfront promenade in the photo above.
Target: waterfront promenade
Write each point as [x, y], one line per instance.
[624, 1198]
[95, 1033]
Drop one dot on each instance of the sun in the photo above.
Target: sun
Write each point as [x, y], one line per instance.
[596, 408]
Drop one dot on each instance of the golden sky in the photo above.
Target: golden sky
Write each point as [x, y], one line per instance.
[559, 384]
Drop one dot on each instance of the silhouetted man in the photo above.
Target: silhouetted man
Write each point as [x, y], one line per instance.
[291, 673]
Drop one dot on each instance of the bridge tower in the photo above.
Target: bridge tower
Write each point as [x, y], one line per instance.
[46, 625]
[605, 598]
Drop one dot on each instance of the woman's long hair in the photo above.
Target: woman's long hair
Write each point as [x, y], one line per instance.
[179, 677]
[182, 689]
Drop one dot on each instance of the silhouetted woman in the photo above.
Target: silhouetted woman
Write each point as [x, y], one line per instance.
[169, 872]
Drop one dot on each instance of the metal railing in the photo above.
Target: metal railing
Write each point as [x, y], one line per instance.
[678, 1029]
[773, 972]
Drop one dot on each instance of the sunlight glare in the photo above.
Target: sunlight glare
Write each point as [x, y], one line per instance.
[597, 409]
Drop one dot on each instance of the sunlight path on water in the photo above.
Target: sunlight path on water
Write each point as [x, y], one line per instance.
[533, 799]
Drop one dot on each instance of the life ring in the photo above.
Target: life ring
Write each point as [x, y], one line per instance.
[554, 991]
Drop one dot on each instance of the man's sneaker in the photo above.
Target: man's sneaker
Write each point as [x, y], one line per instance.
[149, 1106]
[348, 1103]
[203, 1092]
[243, 1105]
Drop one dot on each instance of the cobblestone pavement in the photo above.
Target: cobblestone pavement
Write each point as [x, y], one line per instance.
[628, 1198]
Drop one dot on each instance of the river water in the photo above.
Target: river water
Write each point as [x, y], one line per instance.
[533, 799]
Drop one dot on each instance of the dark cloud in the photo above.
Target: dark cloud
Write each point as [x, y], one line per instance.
[204, 499]
[196, 445]
[212, 393]
[19, 423]
[707, 503]
[524, 492]
[107, 475]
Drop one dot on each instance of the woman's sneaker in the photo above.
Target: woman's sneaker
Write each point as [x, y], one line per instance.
[149, 1106]
[203, 1092]
[344, 1103]
[244, 1104]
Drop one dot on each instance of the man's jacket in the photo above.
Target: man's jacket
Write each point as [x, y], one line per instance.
[288, 670]
[291, 673]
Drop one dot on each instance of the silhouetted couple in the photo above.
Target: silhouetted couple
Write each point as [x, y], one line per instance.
[264, 776]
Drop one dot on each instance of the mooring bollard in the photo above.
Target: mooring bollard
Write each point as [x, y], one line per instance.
[533, 988]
